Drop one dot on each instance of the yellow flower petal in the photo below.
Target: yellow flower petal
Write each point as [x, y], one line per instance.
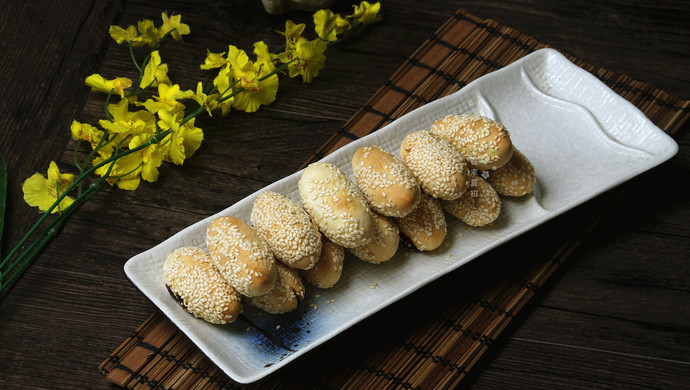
[367, 13]
[192, 137]
[37, 192]
[155, 72]
[100, 84]
[264, 57]
[213, 60]
[149, 33]
[328, 25]
[121, 35]
[43, 192]
[173, 26]
[292, 33]
[251, 100]
[310, 58]
[128, 184]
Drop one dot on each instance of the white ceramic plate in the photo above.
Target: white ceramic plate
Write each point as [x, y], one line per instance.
[582, 138]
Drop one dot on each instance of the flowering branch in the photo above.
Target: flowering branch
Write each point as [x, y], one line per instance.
[130, 145]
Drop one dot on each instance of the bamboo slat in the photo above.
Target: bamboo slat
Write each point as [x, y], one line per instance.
[440, 351]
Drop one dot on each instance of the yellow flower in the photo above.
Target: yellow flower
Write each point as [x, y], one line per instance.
[92, 135]
[190, 137]
[249, 80]
[223, 83]
[86, 132]
[127, 171]
[292, 33]
[209, 102]
[183, 141]
[129, 35]
[238, 60]
[213, 60]
[150, 157]
[167, 99]
[155, 72]
[263, 90]
[127, 122]
[328, 25]
[264, 57]
[308, 58]
[42, 192]
[243, 73]
[367, 13]
[149, 32]
[100, 84]
[173, 26]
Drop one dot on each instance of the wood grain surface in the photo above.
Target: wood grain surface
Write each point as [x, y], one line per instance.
[616, 316]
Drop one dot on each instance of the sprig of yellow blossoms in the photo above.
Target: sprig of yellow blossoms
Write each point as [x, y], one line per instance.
[139, 134]
[240, 83]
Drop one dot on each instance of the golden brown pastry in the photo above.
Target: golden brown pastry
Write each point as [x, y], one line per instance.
[484, 142]
[425, 227]
[384, 245]
[388, 186]
[199, 288]
[241, 256]
[516, 178]
[327, 271]
[439, 167]
[287, 228]
[285, 295]
[479, 206]
[336, 205]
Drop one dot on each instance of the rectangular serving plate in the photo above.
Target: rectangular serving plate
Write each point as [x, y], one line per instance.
[582, 138]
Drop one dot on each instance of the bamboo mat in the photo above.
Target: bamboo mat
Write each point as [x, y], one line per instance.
[440, 351]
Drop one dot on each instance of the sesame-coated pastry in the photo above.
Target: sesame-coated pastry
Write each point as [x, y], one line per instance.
[285, 295]
[287, 228]
[199, 288]
[479, 206]
[485, 143]
[336, 205]
[516, 178]
[387, 184]
[384, 245]
[241, 256]
[327, 271]
[425, 227]
[437, 165]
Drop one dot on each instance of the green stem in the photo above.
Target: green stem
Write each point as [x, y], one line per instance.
[105, 107]
[193, 114]
[40, 242]
[356, 28]
[155, 139]
[134, 60]
[279, 49]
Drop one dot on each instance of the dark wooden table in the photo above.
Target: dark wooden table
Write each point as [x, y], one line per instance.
[616, 316]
